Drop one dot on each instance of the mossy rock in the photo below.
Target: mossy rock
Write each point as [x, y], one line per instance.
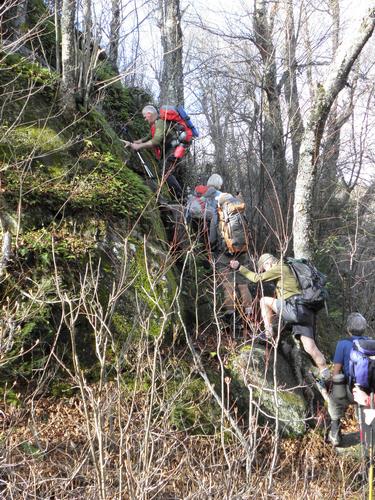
[192, 406]
[285, 401]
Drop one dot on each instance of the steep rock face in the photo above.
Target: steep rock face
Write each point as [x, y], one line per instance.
[89, 258]
[267, 388]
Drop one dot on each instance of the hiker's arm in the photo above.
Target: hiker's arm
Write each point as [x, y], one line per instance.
[361, 397]
[136, 146]
[157, 140]
[270, 275]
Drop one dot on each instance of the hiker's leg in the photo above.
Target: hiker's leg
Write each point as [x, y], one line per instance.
[336, 409]
[174, 186]
[312, 349]
[268, 310]
[224, 280]
[245, 298]
[229, 296]
[306, 332]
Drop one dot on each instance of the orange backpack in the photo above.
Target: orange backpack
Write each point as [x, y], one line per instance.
[233, 224]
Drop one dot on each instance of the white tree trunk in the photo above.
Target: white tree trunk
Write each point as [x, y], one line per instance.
[68, 53]
[309, 153]
[172, 78]
[87, 53]
[114, 35]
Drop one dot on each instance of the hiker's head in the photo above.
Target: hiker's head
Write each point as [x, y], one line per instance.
[215, 181]
[265, 262]
[150, 113]
[356, 324]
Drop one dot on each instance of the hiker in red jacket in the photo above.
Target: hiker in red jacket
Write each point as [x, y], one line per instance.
[161, 140]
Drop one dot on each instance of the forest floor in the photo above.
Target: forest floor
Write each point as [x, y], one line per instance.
[47, 450]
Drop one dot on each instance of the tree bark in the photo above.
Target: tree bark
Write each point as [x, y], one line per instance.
[273, 126]
[172, 78]
[87, 53]
[57, 9]
[114, 36]
[325, 96]
[290, 87]
[69, 82]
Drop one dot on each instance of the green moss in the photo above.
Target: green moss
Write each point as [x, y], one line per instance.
[154, 289]
[9, 396]
[31, 72]
[31, 450]
[60, 389]
[193, 408]
[130, 383]
[121, 327]
[121, 105]
[23, 141]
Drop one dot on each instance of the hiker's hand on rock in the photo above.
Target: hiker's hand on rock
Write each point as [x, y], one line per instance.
[126, 143]
[360, 397]
[234, 264]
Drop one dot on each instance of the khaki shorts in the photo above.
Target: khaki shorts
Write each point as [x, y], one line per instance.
[302, 319]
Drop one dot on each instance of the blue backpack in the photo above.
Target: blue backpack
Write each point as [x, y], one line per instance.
[362, 364]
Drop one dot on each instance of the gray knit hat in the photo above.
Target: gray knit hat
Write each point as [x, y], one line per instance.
[356, 323]
[216, 181]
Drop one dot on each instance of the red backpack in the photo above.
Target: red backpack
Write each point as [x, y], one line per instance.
[187, 130]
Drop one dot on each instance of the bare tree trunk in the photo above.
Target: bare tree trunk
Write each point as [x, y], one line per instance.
[290, 87]
[309, 154]
[114, 36]
[21, 13]
[172, 78]
[68, 54]
[57, 8]
[87, 52]
[275, 159]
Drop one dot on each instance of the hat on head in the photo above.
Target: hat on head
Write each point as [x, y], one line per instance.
[263, 259]
[215, 180]
[356, 323]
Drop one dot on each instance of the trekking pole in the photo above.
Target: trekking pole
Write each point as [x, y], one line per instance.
[125, 131]
[371, 468]
[362, 443]
[234, 304]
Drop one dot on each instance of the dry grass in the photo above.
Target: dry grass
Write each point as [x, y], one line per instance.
[45, 453]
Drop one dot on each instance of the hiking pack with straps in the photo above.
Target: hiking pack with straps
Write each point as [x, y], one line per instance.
[311, 281]
[198, 206]
[362, 364]
[185, 129]
[233, 224]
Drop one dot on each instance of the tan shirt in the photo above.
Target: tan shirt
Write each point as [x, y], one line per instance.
[286, 284]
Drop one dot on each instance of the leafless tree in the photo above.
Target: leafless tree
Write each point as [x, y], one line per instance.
[310, 146]
[172, 79]
[68, 56]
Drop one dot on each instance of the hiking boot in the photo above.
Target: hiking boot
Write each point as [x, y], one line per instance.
[325, 374]
[334, 435]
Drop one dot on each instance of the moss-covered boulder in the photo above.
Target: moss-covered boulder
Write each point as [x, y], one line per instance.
[266, 386]
[90, 263]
